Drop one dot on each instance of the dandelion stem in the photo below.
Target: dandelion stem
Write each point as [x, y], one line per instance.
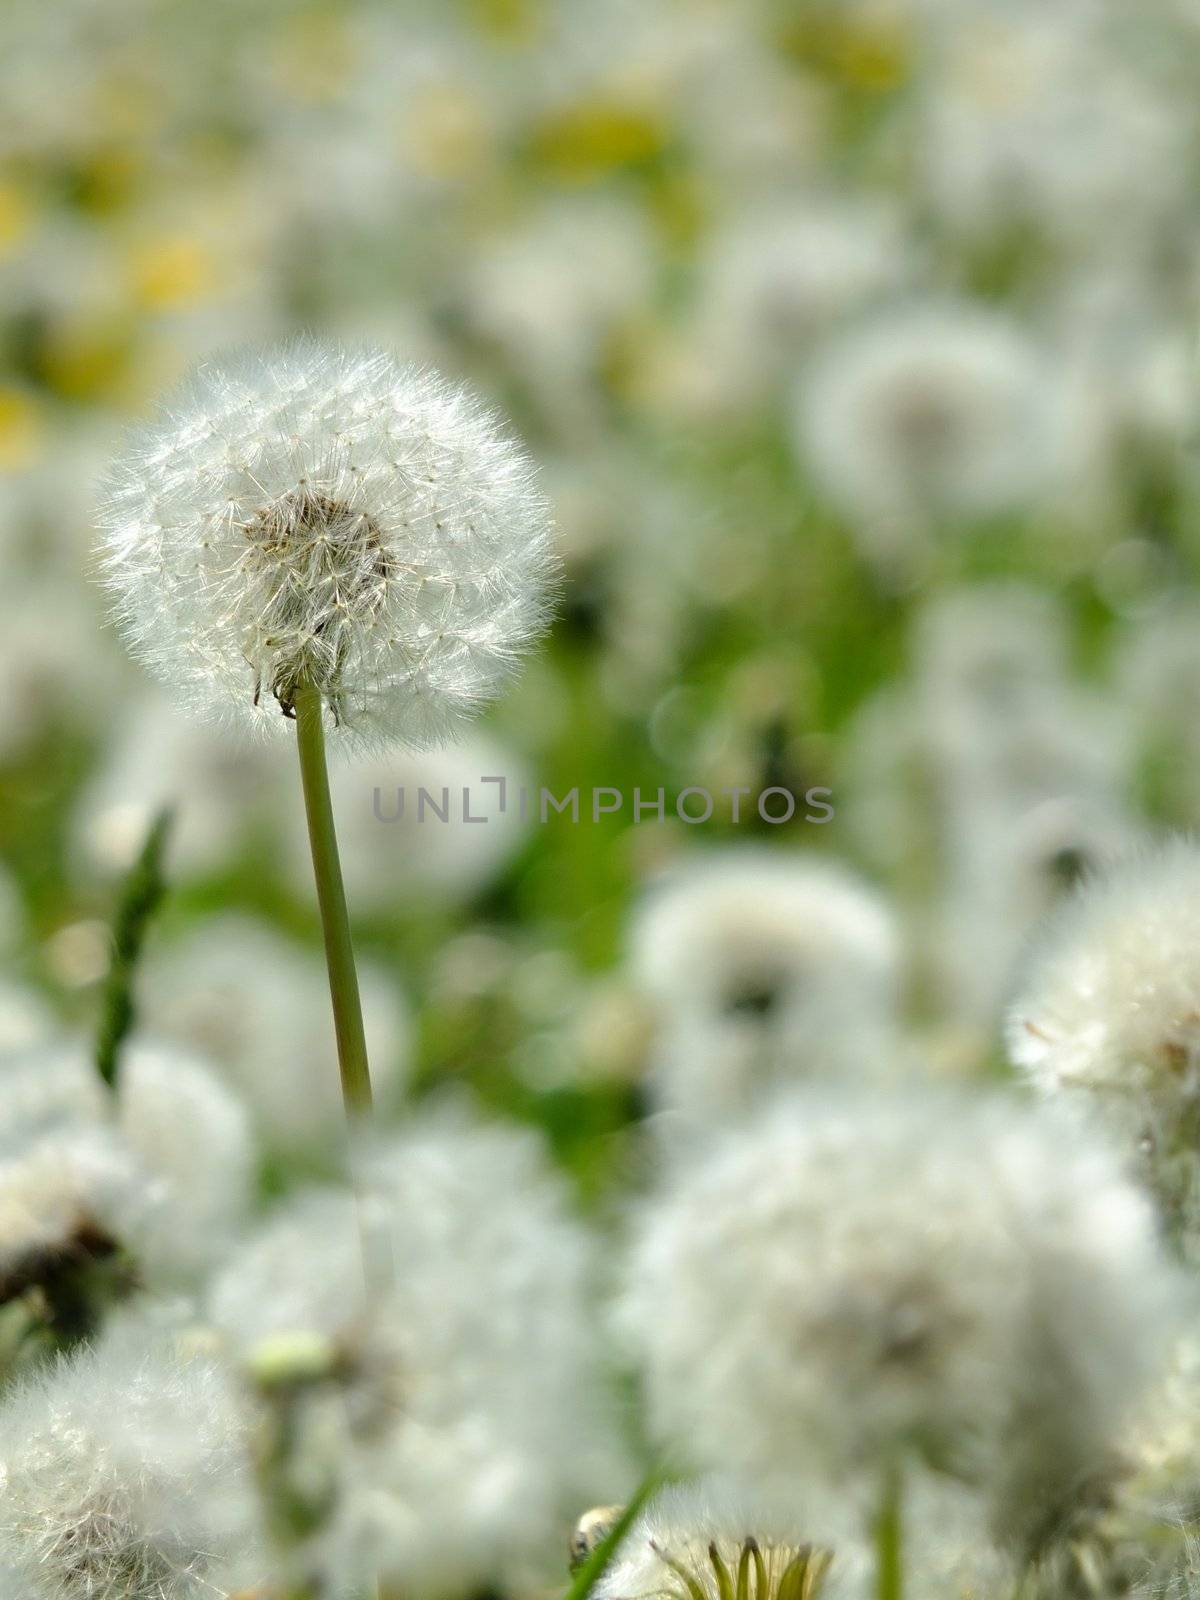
[331, 898]
[889, 1536]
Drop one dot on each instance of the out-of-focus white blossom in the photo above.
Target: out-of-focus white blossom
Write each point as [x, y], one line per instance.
[46, 1086]
[777, 275]
[314, 515]
[477, 1425]
[762, 968]
[715, 1527]
[1164, 1447]
[192, 1134]
[71, 1194]
[124, 1477]
[555, 290]
[986, 784]
[155, 759]
[400, 847]
[1010, 863]
[932, 412]
[1108, 1015]
[848, 1278]
[25, 1018]
[57, 665]
[164, 1168]
[1061, 120]
[985, 656]
[257, 1005]
[709, 1532]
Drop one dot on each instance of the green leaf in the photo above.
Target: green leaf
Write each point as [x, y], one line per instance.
[141, 894]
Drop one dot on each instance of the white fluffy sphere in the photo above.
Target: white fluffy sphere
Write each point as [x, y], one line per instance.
[125, 1476]
[762, 968]
[848, 1278]
[1108, 1016]
[316, 515]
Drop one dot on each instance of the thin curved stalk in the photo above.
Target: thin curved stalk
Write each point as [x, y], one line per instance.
[331, 898]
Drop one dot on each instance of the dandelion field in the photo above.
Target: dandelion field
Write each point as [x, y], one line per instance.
[686, 1082]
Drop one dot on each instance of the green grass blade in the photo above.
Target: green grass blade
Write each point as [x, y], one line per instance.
[594, 1568]
[141, 894]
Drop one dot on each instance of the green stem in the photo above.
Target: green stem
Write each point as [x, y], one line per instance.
[889, 1536]
[331, 898]
[339, 959]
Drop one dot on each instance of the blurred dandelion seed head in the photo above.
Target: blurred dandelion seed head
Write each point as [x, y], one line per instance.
[1108, 1016]
[845, 1277]
[124, 1477]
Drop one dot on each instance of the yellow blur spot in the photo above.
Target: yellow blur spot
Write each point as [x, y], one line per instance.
[84, 360]
[587, 141]
[20, 429]
[867, 54]
[446, 134]
[171, 272]
[16, 217]
[679, 207]
[108, 180]
[509, 21]
[313, 57]
[875, 62]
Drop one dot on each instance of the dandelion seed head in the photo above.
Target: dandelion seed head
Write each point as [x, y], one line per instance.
[163, 1167]
[848, 1277]
[691, 1542]
[123, 1477]
[313, 515]
[299, 1271]
[1108, 1014]
[932, 412]
[475, 1393]
[761, 968]
[44, 1086]
[192, 1134]
[692, 1537]
[1164, 1445]
[64, 1198]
